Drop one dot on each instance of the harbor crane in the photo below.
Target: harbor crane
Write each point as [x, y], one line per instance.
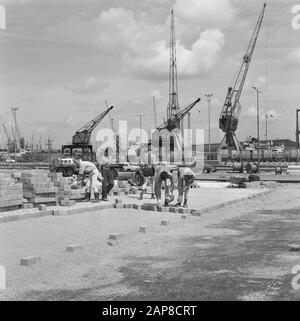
[229, 117]
[171, 124]
[19, 140]
[81, 139]
[174, 120]
[9, 141]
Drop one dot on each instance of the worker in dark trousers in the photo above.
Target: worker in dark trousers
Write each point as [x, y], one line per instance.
[147, 169]
[108, 177]
[164, 174]
[186, 178]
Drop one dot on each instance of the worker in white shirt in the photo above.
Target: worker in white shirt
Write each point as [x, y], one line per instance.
[186, 178]
[89, 169]
[163, 174]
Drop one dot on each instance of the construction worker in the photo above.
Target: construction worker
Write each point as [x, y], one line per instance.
[147, 163]
[89, 169]
[108, 178]
[163, 174]
[186, 178]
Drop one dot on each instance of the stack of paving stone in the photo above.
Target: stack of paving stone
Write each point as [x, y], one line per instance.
[11, 194]
[64, 190]
[38, 188]
[122, 188]
[17, 176]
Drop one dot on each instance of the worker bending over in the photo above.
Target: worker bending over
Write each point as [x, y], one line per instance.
[147, 169]
[163, 174]
[186, 178]
[89, 169]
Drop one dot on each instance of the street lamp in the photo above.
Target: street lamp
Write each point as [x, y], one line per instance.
[267, 117]
[141, 131]
[209, 97]
[258, 139]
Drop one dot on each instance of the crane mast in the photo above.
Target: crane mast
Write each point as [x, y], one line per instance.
[173, 106]
[229, 118]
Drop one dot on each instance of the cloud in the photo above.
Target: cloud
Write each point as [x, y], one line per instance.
[156, 93]
[197, 61]
[15, 2]
[142, 48]
[259, 82]
[89, 86]
[293, 58]
[252, 112]
[205, 13]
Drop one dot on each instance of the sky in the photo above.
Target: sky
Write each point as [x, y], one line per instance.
[60, 60]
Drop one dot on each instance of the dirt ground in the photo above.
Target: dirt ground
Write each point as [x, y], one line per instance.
[245, 251]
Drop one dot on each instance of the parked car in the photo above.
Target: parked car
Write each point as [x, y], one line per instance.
[10, 161]
[127, 167]
[64, 166]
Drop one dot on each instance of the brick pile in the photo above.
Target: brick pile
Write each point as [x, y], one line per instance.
[38, 188]
[64, 190]
[11, 194]
[122, 188]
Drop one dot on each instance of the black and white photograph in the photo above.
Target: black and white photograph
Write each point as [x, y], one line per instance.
[149, 152]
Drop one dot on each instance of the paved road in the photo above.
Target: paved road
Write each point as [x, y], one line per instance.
[223, 177]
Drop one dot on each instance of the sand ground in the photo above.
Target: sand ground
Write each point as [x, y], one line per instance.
[239, 252]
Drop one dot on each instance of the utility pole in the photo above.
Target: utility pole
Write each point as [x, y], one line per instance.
[209, 97]
[49, 146]
[267, 117]
[155, 112]
[141, 132]
[258, 139]
[173, 107]
[297, 133]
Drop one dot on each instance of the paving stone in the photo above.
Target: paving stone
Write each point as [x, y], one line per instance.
[198, 212]
[184, 216]
[142, 229]
[174, 210]
[74, 248]
[67, 202]
[185, 210]
[149, 207]
[163, 209]
[115, 237]
[30, 260]
[42, 207]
